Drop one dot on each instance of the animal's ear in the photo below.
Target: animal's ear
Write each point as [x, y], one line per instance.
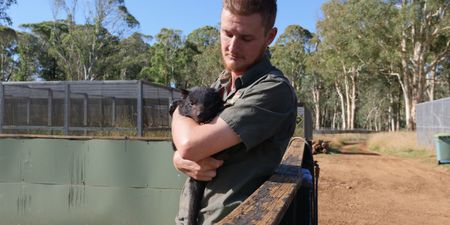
[184, 93]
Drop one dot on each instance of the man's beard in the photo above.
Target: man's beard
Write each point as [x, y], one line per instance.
[243, 67]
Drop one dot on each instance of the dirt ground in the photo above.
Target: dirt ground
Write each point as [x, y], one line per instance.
[362, 187]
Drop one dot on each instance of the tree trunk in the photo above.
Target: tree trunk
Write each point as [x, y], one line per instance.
[353, 78]
[347, 102]
[424, 27]
[341, 98]
[391, 114]
[316, 100]
[404, 78]
[431, 84]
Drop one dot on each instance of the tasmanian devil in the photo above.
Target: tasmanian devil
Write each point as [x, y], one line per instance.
[202, 104]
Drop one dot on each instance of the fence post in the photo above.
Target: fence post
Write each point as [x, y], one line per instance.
[2, 106]
[307, 124]
[50, 110]
[113, 114]
[139, 109]
[67, 109]
[28, 111]
[168, 107]
[85, 113]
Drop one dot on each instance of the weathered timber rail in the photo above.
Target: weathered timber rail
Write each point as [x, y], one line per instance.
[278, 200]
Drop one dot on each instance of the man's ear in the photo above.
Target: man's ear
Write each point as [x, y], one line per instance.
[184, 93]
[271, 35]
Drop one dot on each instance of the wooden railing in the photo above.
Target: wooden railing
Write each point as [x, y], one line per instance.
[278, 200]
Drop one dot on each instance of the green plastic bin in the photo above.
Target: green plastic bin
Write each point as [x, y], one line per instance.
[443, 148]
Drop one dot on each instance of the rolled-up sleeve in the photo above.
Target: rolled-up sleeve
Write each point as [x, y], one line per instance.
[260, 111]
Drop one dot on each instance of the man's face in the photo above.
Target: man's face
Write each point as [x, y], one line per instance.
[243, 40]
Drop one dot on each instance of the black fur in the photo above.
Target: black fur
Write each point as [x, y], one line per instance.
[202, 105]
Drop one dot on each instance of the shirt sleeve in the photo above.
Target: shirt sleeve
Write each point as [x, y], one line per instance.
[260, 111]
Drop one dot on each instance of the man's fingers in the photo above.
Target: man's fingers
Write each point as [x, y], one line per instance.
[205, 175]
[210, 163]
[204, 170]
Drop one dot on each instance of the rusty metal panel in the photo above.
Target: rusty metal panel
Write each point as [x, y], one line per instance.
[58, 181]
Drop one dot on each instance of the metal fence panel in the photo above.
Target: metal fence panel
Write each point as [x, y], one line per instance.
[102, 108]
[432, 118]
[59, 181]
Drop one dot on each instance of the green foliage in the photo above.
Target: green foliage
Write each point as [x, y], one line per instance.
[184, 63]
[290, 52]
[4, 5]
[129, 19]
[8, 42]
[206, 61]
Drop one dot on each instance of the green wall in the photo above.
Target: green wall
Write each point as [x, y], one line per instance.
[61, 181]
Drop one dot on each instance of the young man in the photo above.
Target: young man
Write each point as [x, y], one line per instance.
[257, 124]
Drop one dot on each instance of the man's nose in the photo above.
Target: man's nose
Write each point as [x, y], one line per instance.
[234, 44]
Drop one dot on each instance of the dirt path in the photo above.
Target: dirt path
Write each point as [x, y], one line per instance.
[366, 188]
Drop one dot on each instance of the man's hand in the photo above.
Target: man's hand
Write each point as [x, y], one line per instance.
[204, 170]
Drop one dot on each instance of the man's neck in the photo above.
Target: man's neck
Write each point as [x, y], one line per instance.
[234, 76]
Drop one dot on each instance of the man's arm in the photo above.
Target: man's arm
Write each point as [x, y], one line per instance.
[196, 142]
[204, 170]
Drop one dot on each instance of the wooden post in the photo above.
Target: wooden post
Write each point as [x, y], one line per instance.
[307, 124]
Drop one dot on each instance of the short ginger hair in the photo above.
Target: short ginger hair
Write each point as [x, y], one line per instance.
[266, 8]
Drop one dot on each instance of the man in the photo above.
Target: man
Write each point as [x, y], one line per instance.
[257, 124]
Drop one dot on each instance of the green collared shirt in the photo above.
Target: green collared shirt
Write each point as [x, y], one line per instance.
[262, 111]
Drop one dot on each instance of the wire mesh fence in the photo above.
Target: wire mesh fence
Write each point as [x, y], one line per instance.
[98, 108]
[432, 118]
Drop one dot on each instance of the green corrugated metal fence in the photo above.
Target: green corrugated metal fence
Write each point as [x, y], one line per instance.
[61, 181]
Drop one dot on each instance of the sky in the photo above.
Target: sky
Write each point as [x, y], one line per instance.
[184, 15]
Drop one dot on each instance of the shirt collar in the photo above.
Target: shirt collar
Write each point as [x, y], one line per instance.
[251, 75]
[256, 71]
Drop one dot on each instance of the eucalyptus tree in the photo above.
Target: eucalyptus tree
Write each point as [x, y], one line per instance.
[289, 53]
[349, 41]
[82, 49]
[315, 83]
[8, 48]
[29, 56]
[132, 56]
[110, 14]
[164, 67]
[421, 26]
[48, 37]
[4, 5]
[207, 61]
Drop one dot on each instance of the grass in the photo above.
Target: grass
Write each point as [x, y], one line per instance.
[402, 144]
[399, 144]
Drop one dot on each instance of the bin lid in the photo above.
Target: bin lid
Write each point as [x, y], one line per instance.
[438, 135]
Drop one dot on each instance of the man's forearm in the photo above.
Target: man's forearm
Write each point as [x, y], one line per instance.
[196, 142]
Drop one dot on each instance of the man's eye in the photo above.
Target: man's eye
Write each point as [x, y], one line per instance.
[247, 39]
